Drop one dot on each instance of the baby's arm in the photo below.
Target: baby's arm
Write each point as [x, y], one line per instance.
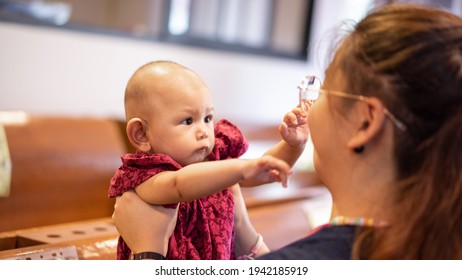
[294, 132]
[246, 236]
[205, 178]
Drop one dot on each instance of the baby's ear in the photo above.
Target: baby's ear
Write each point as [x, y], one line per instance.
[136, 134]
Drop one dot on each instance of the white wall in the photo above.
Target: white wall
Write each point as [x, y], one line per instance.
[54, 71]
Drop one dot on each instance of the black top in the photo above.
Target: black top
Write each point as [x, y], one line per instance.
[329, 243]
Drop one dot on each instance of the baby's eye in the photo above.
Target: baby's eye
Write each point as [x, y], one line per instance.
[187, 121]
[208, 119]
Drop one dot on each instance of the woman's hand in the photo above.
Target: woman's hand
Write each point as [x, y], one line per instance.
[143, 226]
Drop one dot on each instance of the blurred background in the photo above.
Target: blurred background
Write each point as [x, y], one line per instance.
[74, 57]
[64, 65]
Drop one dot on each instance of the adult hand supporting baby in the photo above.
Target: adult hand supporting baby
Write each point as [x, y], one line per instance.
[134, 218]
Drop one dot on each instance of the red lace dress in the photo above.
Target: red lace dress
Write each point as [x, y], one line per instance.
[205, 226]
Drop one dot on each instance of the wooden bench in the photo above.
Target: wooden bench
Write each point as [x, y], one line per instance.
[61, 168]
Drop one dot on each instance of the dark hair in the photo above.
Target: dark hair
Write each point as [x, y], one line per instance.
[410, 57]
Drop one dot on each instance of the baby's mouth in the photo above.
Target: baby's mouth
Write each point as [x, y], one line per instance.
[202, 151]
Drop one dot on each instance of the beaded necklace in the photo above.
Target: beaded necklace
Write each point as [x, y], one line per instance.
[356, 221]
[350, 221]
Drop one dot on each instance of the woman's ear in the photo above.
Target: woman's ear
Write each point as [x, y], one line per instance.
[372, 116]
[137, 136]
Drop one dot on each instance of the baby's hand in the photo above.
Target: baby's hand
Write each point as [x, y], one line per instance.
[267, 169]
[294, 128]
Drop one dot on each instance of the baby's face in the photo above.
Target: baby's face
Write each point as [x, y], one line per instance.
[181, 122]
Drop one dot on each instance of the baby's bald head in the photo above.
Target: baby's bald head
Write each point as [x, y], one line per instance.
[151, 82]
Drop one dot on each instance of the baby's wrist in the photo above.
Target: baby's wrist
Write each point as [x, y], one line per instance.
[296, 147]
[254, 250]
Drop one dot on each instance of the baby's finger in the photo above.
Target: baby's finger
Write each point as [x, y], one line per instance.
[290, 119]
[280, 177]
[283, 130]
[299, 112]
[283, 172]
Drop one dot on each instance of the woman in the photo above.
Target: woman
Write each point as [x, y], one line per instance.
[386, 134]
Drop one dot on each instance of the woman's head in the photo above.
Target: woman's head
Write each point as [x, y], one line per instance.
[410, 58]
[169, 110]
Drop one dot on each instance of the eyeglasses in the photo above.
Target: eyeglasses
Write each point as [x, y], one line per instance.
[310, 89]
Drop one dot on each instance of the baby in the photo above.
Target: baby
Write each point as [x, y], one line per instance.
[183, 160]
